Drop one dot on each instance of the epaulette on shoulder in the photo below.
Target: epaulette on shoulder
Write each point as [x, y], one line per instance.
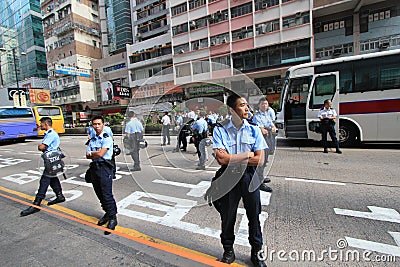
[222, 123]
[252, 123]
[105, 135]
[321, 108]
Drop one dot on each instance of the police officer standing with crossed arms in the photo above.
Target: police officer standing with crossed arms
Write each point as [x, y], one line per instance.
[327, 116]
[100, 151]
[239, 146]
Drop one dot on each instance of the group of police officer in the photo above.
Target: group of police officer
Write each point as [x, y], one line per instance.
[101, 150]
[240, 146]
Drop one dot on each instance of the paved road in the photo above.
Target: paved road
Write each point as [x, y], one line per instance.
[320, 201]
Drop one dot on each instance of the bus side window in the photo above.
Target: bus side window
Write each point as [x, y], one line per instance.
[346, 87]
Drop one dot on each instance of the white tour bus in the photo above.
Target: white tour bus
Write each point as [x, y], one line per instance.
[364, 89]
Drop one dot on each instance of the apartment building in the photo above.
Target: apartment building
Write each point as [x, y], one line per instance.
[150, 56]
[261, 38]
[344, 28]
[111, 72]
[72, 41]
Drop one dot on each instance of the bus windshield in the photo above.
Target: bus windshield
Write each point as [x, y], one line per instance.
[48, 111]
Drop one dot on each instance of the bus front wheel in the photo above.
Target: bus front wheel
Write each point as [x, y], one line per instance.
[348, 134]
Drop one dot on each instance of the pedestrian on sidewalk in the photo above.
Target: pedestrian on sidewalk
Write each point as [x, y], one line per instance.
[166, 123]
[50, 142]
[100, 151]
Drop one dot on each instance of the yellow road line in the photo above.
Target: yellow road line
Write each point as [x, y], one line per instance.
[121, 231]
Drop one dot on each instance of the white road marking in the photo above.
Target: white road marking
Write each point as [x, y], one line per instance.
[198, 190]
[174, 209]
[375, 246]
[313, 181]
[33, 152]
[377, 213]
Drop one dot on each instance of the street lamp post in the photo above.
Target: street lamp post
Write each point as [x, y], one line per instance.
[15, 68]
[15, 63]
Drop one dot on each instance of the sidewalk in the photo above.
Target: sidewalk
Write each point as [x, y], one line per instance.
[42, 239]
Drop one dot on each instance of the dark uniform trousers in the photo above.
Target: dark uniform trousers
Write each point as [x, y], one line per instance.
[102, 177]
[44, 183]
[328, 127]
[252, 205]
[182, 138]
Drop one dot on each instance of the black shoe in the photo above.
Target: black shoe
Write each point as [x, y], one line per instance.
[325, 150]
[183, 149]
[112, 223]
[266, 188]
[267, 180]
[168, 144]
[201, 167]
[59, 199]
[136, 169]
[228, 256]
[31, 209]
[338, 151]
[103, 219]
[255, 258]
[162, 144]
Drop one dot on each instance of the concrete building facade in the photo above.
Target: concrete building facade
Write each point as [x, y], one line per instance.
[72, 40]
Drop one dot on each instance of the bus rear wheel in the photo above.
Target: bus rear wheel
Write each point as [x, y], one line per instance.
[348, 134]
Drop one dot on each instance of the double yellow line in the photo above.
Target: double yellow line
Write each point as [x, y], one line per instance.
[120, 231]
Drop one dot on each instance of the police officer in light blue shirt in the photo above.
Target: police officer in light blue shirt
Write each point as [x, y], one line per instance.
[264, 118]
[92, 133]
[200, 126]
[100, 151]
[200, 130]
[238, 145]
[134, 134]
[50, 142]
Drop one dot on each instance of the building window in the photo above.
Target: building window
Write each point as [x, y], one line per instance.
[221, 63]
[241, 10]
[176, 10]
[198, 23]
[180, 29]
[179, 49]
[219, 16]
[200, 67]
[272, 56]
[196, 3]
[269, 26]
[261, 4]
[294, 20]
[219, 39]
[244, 32]
[182, 70]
